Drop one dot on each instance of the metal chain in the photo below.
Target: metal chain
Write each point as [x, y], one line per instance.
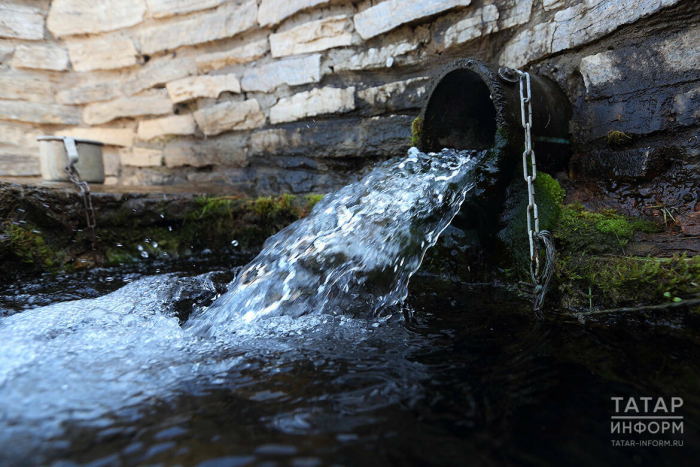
[84, 188]
[538, 241]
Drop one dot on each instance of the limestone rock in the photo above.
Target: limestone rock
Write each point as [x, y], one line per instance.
[173, 125]
[164, 8]
[598, 70]
[153, 103]
[110, 136]
[141, 157]
[18, 135]
[489, 19]
[314, 36]
[243, 54]
[41, 57]
[69, 17]
[19, 162]
[229, 150]
[577, 25]
[274, 11]
[395, 96]
[89, 92]
[315, 102]
[230, 115]
[293, 72]
[202, 86]
[391, 14]
[552, 4]
[112, 162]
[102, 54]
[375, 58]
[33, 112]
[6, 50]
[24, 85]
[226, 21]
[21, 21]
[157, 72]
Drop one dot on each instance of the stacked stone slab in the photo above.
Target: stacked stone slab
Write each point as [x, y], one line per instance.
[280, 95]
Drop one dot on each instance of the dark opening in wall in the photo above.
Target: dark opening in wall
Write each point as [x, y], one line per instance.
[461, 113]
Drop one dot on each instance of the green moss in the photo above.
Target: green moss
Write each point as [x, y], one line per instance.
[28, 245]
[312, 200]
[548, 195]
[416, 129]
[618, 138]
[609, 282]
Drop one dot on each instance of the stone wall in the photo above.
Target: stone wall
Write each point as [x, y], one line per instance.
[300, 95]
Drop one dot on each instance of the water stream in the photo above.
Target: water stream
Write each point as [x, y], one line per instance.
[315, 353]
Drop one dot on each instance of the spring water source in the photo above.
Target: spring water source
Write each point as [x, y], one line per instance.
[82, 363]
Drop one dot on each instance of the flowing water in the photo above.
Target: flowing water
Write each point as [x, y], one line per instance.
[315, 353]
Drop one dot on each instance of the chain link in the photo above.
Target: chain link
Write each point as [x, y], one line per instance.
[84, 189]
[540, 273]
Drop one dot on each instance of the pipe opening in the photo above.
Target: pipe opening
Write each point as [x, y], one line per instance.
[460, 114]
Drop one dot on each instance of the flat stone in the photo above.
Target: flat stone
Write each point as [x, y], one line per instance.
[157, 72]
[228, 150]
[292, 71]
[151, 103]
[165, 8]
[202, 86]
[228, 116]
[18, 135]
[141, 157]
[375, 58]
[69, 17]
[340, 138]
[313, 36]
[110, 136]
[391, 14]
[274, 11]
[18, 162]
[243, 54]
[21, 21]
[34, 112]
[40, 57]
[102, 54]
[599, 70]
[315, 102]
[174, 125]
[399, 95]
[577, 25]
[89, 92]
[227, 20]
[28, 86]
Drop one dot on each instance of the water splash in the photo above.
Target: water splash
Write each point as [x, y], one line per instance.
[356, 251]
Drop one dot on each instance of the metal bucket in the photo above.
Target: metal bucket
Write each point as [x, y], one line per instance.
[56, 153]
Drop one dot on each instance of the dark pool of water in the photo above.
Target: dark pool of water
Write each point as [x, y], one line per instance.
[460, 375]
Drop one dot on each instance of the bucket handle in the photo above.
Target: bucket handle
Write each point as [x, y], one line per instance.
[71, 150]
